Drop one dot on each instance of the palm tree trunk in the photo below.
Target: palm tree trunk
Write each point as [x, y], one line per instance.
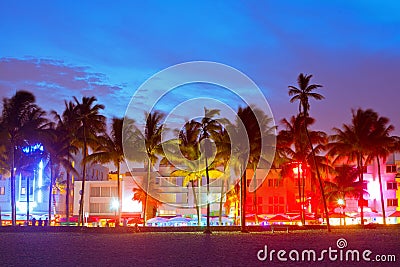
[196, 204]
[361, 167]
[80, 219]
[243, 202]
[50, 190]
[27, 199]
[220, 201]
[299, 185]
[13, 197]
[208, 231]
[67, 199]
[303, 195]
[255, 195]
[67, 196]
[381, 191]
[146, 191]
[117, 223]
[321, 186]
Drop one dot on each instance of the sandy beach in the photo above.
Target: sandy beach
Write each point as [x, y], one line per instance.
[192, 249]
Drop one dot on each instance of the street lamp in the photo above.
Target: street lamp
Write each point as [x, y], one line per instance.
[341, 204]
[115, 207]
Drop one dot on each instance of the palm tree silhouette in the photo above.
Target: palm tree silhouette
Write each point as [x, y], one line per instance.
[381, 146]
[352, 142]
[302, 94]
[294, 148]
[110, 149]
[67, 126]
[344, 185]
[153, 146]
[21, 118]
[92, 123]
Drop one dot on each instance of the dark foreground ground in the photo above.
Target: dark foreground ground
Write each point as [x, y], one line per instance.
[191, 249]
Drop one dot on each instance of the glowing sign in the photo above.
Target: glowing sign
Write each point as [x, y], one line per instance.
[33, 148]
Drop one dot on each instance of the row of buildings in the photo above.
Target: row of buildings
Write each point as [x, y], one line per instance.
[276, 195]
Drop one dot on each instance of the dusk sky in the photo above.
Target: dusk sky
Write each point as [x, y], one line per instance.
[60, 49]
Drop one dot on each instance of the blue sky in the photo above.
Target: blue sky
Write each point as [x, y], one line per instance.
[59, 49]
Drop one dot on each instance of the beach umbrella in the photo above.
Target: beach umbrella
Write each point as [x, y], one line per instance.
[336, 215]
[306, 217]
[178, 221]
[135, 220]
[369, 214]
[194, 221]
[279, 218]
[156, 220]
[224, 220]
[395, 214]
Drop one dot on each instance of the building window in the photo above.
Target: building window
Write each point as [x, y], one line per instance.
[114, 191]
[95, 191]
[274, 183]
[23, 190]
[392, 185]
[391, 169]
[2, 190]
[394, 202]
[364, 201]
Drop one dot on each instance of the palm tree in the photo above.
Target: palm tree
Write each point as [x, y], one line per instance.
[222, 158]
[344, 185]
[142, 196]
[58, 148]
[208, 129]
[153, 147]
[353, 142]
[190, 147]
[21, 118]
[303, 94]
[110, 149]
[258, 132]
[381, 146]
[91, 124]
[67, 126]
[294, 148]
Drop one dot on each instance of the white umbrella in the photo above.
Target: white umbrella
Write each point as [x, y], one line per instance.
[178, 221]
[156, 221]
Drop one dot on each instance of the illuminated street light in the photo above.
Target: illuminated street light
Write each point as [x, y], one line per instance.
[341, 204]
[115, 207]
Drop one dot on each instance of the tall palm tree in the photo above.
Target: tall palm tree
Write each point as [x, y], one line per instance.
[67, 126]
[21, 118]
[110, 149]
[153, 147]
[303, 93]
[353, 142]
[294, 148]
[190, 148]
[381, 146]
[208, 129]
[91, 124]
[58, 149]
[258, 131]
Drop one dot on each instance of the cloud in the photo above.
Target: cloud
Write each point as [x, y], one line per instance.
[53, 81]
